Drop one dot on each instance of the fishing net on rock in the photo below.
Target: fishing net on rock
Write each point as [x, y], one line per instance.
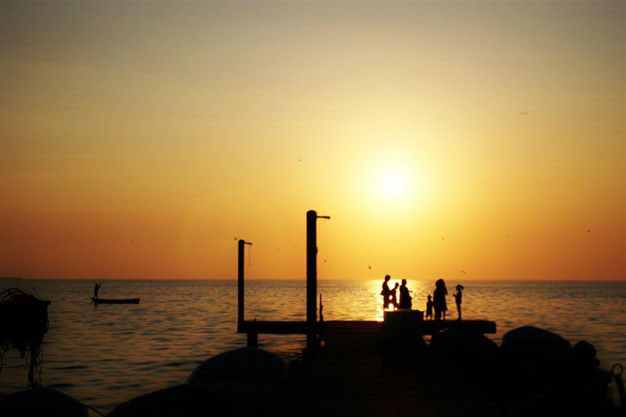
[23, 324]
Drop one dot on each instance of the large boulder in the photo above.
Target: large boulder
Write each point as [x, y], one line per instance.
[534, 363]
[244, 370]
[40, 402]
[532, 342]
[179, 401]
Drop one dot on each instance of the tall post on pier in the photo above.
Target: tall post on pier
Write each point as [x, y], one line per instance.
[240, 278]
[240, 285]
[311, 276]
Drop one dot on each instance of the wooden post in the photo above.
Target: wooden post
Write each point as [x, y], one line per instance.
[311, 276]
[253, 336]
[240, 285]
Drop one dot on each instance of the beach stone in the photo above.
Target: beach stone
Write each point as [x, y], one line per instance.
[245, 369]
[464, 346]
[44, 402]
[533, 342]
[179, 401]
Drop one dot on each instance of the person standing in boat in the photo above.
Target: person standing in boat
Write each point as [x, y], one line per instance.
[386, 292]
[96, 288]
[405, 297]
[458, 298]
[439, 299]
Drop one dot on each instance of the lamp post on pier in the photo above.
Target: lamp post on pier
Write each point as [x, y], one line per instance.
[240, 280]
[311, 276]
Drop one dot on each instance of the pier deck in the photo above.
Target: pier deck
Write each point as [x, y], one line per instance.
[352, 376]
[371, 327]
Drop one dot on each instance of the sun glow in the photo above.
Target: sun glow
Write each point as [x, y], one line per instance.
[394, 185]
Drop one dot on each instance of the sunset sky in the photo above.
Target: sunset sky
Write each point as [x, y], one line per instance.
[478, 140]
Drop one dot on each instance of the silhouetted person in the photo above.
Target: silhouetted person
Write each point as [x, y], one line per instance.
[96, 288]
[429, 307]
[439, 299]
[405, 298]
[458, 298]
[393, 298]
[386, 292]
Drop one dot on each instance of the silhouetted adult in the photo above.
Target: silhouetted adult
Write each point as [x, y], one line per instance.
[439, 299]
[405, 298]
[458, 298]
[386, 292]
[96, 288]
[393, 299]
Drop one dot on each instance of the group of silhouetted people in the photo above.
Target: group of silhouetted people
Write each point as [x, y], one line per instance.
[390, 298]
[436, 302]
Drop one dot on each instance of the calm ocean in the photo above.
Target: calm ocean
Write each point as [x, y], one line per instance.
[108, 354]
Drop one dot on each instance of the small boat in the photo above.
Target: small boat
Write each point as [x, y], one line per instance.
[115, 300]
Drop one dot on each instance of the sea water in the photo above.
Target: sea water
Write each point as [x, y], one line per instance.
[104, 355]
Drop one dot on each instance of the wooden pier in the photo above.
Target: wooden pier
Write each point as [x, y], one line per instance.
[429, 327]
[315, 329]
[355, 374]
[367, 367]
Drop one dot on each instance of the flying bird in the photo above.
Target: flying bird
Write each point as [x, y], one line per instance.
[369, 266]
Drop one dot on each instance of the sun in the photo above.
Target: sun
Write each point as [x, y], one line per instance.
[393, 184]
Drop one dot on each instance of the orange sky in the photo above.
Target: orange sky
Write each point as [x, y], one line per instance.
[137, 139]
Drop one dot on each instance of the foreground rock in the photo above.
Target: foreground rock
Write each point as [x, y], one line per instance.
[530, 342]
[541, 374]
[244, 369]
[179, 401]
[44, 402]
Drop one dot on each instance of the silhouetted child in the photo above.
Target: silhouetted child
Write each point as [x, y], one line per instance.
[394, 298]
[429, 307]
[458, 298]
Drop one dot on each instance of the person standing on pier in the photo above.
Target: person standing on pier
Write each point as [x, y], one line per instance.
[429, 307]
[96, 288]
[458, 298]
[393, 298]
[439, 299]
[386, 292]
[405, 298]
